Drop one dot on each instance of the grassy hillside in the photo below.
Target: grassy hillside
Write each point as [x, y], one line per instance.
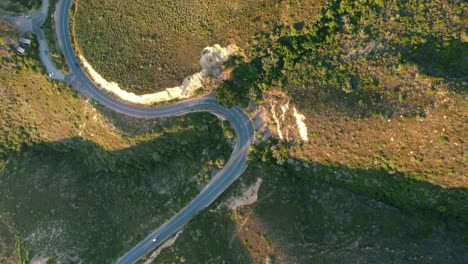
[73, 199]
[381, 179]
[81, 183]
[384, 93]
[301, 220]
[380, 85]
[152, 45]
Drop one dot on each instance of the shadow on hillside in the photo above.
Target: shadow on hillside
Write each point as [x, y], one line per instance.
[440, 58]
[396, 189]
[210, 237]
[316, 213]
[332, 212]
[73, 196]
[319, 213]
[131, 126]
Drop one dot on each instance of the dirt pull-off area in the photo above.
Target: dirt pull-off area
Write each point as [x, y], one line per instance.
[211, 60]
[166, 244]
[248, 197]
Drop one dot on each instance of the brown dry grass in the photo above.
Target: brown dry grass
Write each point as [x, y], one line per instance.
[430, 148]
[252, 231]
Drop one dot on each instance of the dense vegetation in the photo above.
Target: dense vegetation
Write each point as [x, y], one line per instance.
[355, 48]
[236, 89]
[101, 202]
[81, 183]
[382, 178]
[152, 45]
[18, 5]
[393, 188]
[381, 86]
[360, 65]
[300, 219]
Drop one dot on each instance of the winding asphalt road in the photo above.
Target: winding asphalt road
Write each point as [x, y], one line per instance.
[218, 184]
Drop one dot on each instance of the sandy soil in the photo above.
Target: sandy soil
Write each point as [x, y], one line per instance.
[277, 122]
[279, 116]
[301, 125]
[211, 60]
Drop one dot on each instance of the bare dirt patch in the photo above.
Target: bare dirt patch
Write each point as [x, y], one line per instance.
[166, 244]
[248, 197]
[285, 121]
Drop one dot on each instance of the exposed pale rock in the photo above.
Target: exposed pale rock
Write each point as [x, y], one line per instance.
[211, 60]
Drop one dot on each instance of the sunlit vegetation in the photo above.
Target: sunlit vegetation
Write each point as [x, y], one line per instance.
[383, 86]
[363, 64]
[72, 172]
[151, 45]
[357, 52]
